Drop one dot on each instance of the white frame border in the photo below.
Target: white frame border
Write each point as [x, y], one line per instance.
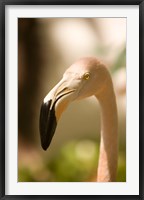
[131, 187]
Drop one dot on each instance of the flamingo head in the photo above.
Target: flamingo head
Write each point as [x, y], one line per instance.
[84, 78]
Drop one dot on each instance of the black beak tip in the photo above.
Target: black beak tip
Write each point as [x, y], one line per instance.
[44, 147]
[47, 124]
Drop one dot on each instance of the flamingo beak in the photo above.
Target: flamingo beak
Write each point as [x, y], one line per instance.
[51, 109]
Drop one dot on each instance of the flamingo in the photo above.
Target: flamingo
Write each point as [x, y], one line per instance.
[86, 77]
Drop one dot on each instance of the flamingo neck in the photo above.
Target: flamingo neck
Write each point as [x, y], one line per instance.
[107, 167]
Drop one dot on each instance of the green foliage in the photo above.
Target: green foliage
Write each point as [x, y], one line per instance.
[25, 175]
[121, 177]
[75, 162]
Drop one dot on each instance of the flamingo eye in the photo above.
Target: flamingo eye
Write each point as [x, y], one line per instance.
[86, 76]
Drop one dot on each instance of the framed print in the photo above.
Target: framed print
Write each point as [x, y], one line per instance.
[70, 114]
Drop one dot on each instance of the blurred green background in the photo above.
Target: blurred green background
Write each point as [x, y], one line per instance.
[46, 48]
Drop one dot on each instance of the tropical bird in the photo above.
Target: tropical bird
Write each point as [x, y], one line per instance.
[86, 77]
